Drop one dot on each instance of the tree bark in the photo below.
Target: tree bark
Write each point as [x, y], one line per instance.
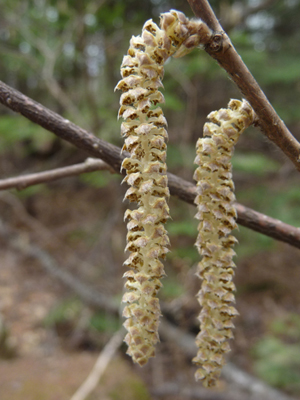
[111, 154]
[222, 50]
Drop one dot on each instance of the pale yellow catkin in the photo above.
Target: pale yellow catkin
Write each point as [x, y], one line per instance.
[144, 130]
[216, 213]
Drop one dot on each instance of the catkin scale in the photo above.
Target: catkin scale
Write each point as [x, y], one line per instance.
[216, 215]
[145, 136]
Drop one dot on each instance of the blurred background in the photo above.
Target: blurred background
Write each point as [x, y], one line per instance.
[66, 55]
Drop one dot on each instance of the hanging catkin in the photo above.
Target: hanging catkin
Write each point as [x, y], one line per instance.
[217, 215]
[144, 130]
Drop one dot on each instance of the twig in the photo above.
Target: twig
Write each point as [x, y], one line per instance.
[111, 154]
[252, 385]
[85, 292]
[222, 50]
[100, 366]
[60, 126]
[23, 181]
[50, 55]
[41, 232]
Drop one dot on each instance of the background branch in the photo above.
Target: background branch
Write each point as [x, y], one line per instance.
[239, 381]
[100, 366]
[111, 154]
[23, 181]
[85, 292]
[222, 50]
[242, 380]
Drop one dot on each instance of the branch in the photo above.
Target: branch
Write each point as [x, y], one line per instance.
[50, 55]
[23, 181]
[111, 154]
[60, 126]
[100, 366]
[222, 50]
[85, 292]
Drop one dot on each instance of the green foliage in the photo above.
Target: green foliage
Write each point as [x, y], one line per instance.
[32, 190]
[132, 389]
[173, 103]
[281, 202]
[285, 205]
[71, 309]
[97, 179]
[277, 355]
[80, 235]
[251, 242]
[282, 69]
[193, 65]
[15, 130]
[182, 229]
[278, 363]
[103, 322]
[181, 156]
[172, 288]
[254, 163]
[287, 326]
[67, 310]
[185, 252]
[185, 227]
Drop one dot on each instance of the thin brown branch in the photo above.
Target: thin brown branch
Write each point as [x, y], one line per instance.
[49, 264]
[41, 233]
[247, 217]
[23, 181]
[60, 126]
[108, 352]
[111, 154]
[222, 50]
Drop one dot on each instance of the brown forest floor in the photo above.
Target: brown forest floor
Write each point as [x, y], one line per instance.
[48, 366]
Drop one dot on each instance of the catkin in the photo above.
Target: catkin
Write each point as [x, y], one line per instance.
[144, 130]
[216, 213]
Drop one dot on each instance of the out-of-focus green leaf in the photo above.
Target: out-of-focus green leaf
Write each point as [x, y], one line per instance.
[15, 128]
[66, 310]
[105, 322]
[287, 326]
[172, 288]
[254, 163]
[278, 363]
[185, 228]
[251, 242]
[96, 179]
[173, 102]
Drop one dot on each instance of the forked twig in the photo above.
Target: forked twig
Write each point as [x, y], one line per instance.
[222, 50]
[23, 181]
